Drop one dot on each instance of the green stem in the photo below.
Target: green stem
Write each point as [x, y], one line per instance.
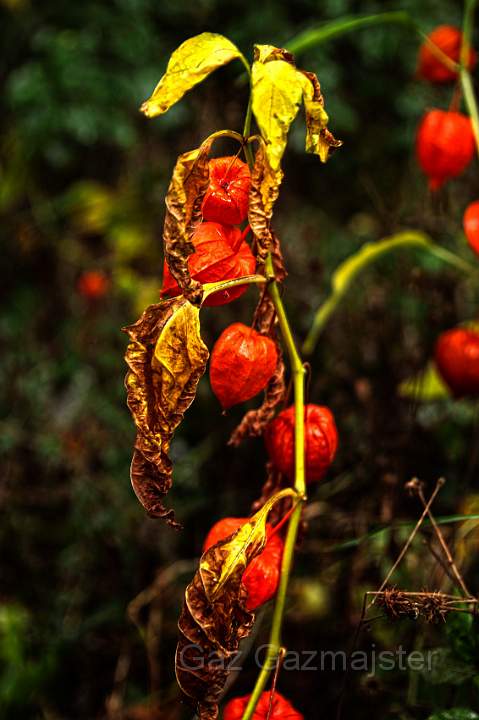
[210, 288]
[346, 273]
[245, 63]
[247, 130]
[311, 38]
[466, 80]
[298, 373]
[331, 30]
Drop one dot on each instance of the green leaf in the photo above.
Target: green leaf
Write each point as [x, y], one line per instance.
[346, 273]
[189, 65]
[425, 386]
[455, 714]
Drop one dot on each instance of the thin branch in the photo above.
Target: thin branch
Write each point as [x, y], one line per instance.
[413, 534]
[443, 543]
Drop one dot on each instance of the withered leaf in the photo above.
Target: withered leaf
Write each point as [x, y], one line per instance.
[277, 257]
[187, 188]
[264, 191]
[189, 65]
[277, 90]
[319, 140]
[214, 618]
[166, 358]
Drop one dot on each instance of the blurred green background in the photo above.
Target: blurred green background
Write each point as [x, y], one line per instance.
[82, 181]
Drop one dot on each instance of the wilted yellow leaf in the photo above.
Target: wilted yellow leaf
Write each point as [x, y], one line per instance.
[238, 551]
[166, 358]
[189, 65]
[178, 356]
[276, 98]
[278, 88]
[319, 140]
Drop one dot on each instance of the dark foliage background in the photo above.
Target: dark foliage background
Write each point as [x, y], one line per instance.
[82, 181]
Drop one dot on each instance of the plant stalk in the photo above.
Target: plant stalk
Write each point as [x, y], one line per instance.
[466, 80]
[298, 374]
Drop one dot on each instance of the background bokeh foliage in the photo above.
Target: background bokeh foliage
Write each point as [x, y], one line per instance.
[82, 181]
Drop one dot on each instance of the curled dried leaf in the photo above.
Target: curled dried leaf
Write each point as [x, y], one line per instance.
[214, 617]
[277, 257]
[166, 358]
[189, 65]
[187, 188]
[272, 485]
[264, 314]
[264, 191]
[319, 140]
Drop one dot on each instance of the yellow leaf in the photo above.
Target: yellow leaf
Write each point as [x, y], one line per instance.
[277, 93]
[426, 386]
[189, 65]
[178, 355]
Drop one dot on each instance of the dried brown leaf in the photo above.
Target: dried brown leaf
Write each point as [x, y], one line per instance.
[264, 191]
[272, 485]
[277, 257]
[214, 617]
[166, 358]
[264, 314]
[187, 188]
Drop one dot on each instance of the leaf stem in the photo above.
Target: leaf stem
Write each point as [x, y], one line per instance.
[247, 130]
[298, 373]
[465, 75]
[346, 273]
[210, 288]
[327, 31]
[331, 30]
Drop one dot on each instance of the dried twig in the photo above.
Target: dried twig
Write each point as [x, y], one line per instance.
[413, 534]
[416, 487]
[431, 606]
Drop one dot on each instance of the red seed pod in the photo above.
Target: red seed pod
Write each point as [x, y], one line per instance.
[93, 284]
[261, 578]
[321, 441]
[242, 362]
[220, 254]
[226, 200]
[471, 225]
[281, 709]
[449, 40]
[444, 145]
[457, 359]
